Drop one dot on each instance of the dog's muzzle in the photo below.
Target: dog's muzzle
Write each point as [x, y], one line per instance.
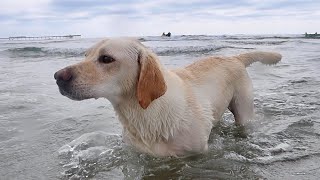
[63, 79]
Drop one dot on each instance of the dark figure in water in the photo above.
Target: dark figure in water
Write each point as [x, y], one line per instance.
[168, 35]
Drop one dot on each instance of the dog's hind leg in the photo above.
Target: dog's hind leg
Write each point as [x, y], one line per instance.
[241, 104]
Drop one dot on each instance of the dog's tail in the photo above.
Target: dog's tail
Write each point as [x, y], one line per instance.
[263, 57]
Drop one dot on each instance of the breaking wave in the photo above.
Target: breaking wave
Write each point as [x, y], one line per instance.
[257, 42]
[36, 52]
[223, 37]
[193, 50]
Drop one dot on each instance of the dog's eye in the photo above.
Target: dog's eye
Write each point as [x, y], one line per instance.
[106, 59]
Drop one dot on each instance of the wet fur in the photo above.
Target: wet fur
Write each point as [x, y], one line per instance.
[166, 112]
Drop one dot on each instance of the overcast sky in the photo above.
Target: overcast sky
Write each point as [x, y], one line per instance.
[100, 18]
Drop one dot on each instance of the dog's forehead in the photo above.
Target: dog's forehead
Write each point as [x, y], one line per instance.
[121, 43]
[120, 47]
[115, 47]
[94, 49]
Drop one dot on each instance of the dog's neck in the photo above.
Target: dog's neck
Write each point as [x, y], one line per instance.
[158, 122]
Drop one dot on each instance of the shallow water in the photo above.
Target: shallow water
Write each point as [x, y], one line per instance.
[44, 135]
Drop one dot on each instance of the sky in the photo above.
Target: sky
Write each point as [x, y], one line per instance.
[105, 18]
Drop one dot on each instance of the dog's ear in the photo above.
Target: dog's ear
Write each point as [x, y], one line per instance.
[151, 83]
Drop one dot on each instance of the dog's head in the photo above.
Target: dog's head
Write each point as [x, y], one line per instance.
[114, 69]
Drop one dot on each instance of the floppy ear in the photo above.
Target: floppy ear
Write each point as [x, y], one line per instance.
[151, 84]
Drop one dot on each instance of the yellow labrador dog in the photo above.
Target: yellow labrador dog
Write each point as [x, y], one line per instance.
[163, 112]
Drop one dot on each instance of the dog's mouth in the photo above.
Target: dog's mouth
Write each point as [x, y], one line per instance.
[74, 93]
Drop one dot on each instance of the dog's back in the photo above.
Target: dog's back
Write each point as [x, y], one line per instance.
[223, 82]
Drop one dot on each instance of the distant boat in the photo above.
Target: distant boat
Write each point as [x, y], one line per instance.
[314, 36]
[166, 35]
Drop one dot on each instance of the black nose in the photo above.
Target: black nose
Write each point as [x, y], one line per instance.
[63, 76]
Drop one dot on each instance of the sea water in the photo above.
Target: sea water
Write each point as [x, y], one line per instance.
[44, 135]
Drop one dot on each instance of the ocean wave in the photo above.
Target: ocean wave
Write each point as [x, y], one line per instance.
[169, 51]
[38, 52]
[35, 52]
[180, 38]
[257, 42]
[219, 37]
[91, 153]
[260, 37]
[32, 49]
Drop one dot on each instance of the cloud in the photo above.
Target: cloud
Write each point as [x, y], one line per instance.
[16, 7]
[126, 17]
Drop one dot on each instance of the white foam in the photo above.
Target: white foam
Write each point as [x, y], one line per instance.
[88, 150]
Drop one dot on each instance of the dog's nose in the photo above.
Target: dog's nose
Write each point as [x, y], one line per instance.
[63, 76]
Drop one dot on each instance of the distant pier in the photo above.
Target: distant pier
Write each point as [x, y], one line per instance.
[72, 36]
